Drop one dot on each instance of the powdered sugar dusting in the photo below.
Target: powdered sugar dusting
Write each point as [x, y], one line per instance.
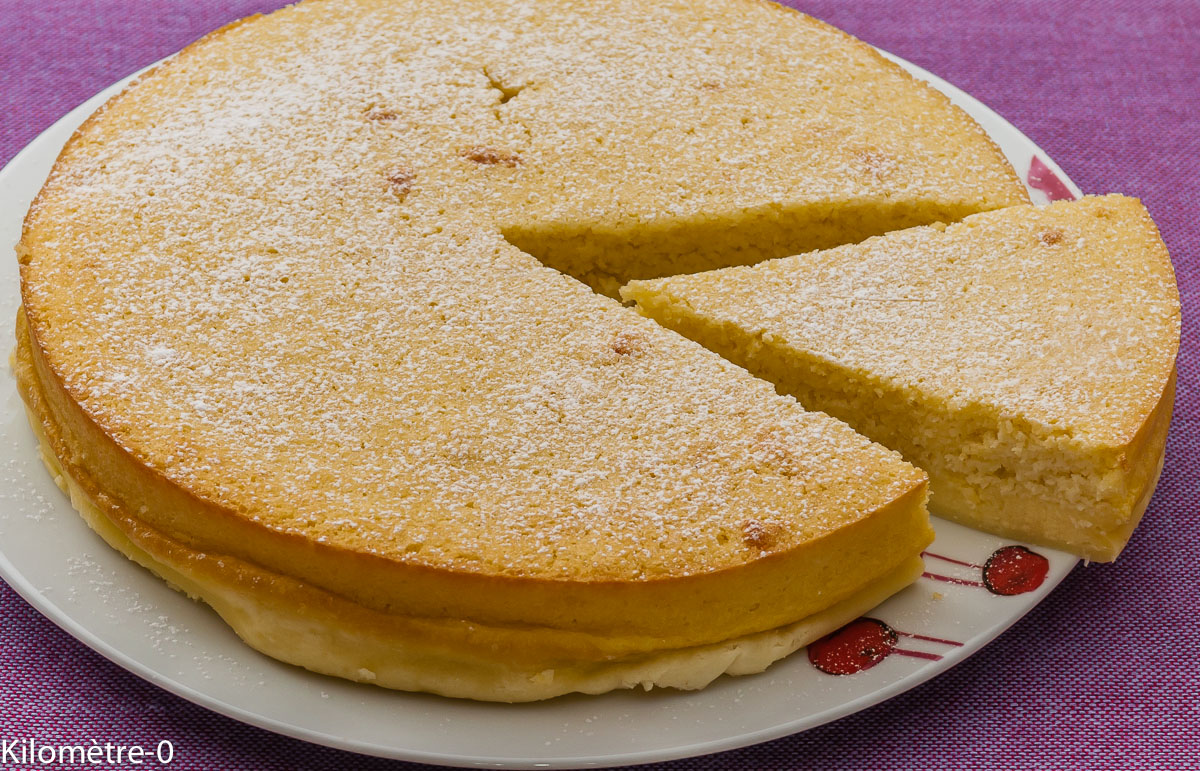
[1065, 317]
[275, 274]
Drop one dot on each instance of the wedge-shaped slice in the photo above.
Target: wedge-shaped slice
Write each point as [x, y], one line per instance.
[1025, 358]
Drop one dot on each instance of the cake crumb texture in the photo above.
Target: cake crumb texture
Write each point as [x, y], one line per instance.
[1023, 357]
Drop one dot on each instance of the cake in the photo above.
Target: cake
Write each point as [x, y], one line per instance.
[1024, 358]
[309, 329]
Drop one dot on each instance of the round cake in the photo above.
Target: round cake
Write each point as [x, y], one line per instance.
[314, 325]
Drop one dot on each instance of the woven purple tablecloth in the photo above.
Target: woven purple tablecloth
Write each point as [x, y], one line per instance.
[1104, 674]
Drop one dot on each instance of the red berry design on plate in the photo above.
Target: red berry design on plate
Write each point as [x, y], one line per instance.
[1010, 570]
[865, 642]
[1040, 177]
[1014, 570]
[859, 645]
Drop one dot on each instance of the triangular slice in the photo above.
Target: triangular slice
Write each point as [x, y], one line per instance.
[1025, 358]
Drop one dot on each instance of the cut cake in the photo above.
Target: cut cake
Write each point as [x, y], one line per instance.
[290, 339]
[1024, 358]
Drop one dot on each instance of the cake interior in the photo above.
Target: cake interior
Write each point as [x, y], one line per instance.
[606, 257]
[977, 464]
[1030, 423]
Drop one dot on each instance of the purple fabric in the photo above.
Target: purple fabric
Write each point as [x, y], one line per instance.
[1104, 674]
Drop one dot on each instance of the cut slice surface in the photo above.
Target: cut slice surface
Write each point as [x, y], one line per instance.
[1023, 357]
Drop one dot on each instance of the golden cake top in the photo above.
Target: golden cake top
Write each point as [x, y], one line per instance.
[276, 272]
[1066, 316]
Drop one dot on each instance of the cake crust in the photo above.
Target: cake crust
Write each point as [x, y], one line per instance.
[302, 624]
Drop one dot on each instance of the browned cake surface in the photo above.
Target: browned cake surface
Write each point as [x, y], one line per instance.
[276, 311]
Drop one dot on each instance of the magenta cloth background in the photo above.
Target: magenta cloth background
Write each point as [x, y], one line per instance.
[1104, 674]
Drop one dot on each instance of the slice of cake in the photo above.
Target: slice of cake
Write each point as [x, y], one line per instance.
[1025, 358]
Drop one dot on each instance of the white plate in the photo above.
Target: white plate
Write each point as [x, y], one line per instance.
[55, 562]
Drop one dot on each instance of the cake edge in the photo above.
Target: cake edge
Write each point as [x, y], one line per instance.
[313, 633]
